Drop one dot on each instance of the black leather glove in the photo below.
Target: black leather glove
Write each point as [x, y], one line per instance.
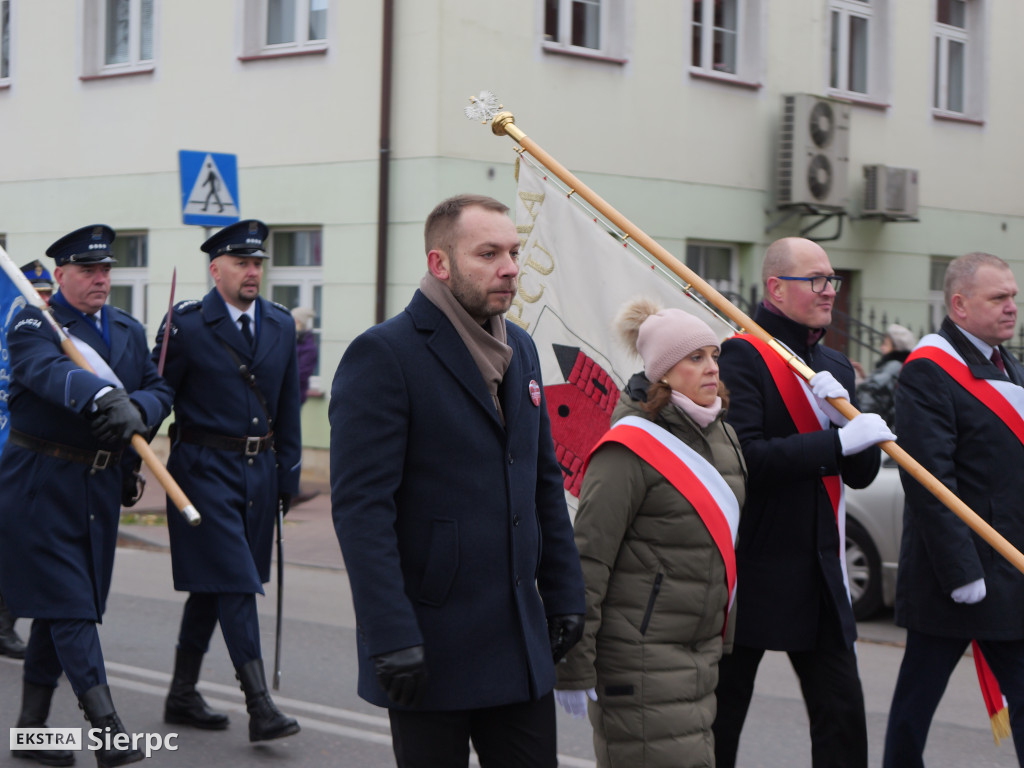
[116, 418]
[564, 632]
[284, 503]
[403, 674]
[133, 483]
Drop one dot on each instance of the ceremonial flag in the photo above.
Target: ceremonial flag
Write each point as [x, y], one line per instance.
[575, 275]
[11, 302]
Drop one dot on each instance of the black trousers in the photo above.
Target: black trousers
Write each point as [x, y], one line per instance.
[832, 694]
[71, 646]
[928, 661]
[239, 622]
[510, 736]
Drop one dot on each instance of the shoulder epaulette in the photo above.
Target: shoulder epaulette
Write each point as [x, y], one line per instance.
[189, 305]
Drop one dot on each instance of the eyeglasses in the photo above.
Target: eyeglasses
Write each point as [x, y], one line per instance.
[818, 282]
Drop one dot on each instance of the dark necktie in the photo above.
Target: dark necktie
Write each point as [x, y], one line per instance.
[998, 359]
[246, 333]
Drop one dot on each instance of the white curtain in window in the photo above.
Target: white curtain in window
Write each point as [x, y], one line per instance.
[280, 21]
[118, 15]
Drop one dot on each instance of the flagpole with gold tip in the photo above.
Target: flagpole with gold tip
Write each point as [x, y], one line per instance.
[139, 443]
[486, 109]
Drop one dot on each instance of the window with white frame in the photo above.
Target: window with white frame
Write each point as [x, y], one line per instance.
[936, 291]
[120, 37]
[725, 38]
[858, 48]
[586, 27]
[5, 40]
[129, 279]
[295, 276]
[716, 263]
[958, 58]
[285, 26]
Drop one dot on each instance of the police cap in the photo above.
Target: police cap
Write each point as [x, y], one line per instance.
[88, 245]
[37, 275]
[243, 238]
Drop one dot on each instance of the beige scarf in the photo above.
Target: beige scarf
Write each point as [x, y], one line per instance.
[489, 350]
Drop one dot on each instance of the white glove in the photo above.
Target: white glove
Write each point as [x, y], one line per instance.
[824, 384]
[865, 430]
[970, 593]
[575, 702]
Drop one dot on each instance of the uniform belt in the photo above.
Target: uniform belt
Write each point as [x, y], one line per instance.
[99, 459]
[248, 446]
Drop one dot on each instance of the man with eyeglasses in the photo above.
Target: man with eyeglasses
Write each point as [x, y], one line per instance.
[792, 592]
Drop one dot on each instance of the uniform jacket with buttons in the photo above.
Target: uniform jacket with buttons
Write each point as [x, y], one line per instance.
[58, 522]
[787, 555]
[453, 526]
[229, 551]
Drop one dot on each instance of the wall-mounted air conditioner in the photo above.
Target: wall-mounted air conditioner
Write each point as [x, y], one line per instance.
[813, 154]
[890, 192]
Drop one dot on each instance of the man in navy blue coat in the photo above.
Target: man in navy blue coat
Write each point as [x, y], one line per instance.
[956, 409]
[64, 469]
[236, 451]
[791, 592]
[450, 512]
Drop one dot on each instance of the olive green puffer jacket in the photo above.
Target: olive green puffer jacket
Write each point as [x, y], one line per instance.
[656, 600]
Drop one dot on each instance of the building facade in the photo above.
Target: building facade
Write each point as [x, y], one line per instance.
[347, 123]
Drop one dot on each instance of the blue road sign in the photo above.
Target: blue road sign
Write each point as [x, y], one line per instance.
[209, 188]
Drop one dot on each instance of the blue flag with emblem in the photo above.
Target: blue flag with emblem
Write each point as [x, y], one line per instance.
[11, 302]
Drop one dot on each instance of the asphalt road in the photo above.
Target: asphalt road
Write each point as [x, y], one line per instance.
[338, 729]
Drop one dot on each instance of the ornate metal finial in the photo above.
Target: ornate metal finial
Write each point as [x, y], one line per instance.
[483, 107]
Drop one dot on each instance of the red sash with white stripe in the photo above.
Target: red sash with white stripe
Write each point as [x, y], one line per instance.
[690, 474]
[1004, 398]
[1006, 401]
[794, 395]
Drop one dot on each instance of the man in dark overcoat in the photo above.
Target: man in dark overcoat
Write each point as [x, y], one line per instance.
[791, 591]
[64, 470]
[236, 451]
[450, 512]
[959, 406]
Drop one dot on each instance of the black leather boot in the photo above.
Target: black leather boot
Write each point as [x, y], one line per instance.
[185, 705]
[265, 720]
[10, 643]
[35, 708]
[99, 710]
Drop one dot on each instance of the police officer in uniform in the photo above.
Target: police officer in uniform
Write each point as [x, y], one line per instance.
[10, 643]
[64, 470]
[39, 277]
[236, 450]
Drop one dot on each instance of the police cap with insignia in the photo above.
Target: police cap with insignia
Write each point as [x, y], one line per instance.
[37, 275]
[88, 245]
[243, 238]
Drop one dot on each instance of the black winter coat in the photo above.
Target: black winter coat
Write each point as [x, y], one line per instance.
[978, 457]
[787, 555]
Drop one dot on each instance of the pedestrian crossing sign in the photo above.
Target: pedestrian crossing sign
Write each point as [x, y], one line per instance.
[209, 188]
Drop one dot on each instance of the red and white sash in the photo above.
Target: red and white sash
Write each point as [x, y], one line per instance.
[690, 474]
[1006, 400]
[808, 417]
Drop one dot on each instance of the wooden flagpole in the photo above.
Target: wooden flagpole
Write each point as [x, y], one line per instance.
[139, 443]
[503, 124]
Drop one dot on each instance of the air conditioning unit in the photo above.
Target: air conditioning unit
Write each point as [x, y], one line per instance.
[890, 192]
[813, 155]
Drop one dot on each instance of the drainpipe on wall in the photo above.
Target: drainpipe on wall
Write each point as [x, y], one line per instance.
[383, 178]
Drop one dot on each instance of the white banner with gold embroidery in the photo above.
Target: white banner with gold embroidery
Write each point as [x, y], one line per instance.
[574, 277]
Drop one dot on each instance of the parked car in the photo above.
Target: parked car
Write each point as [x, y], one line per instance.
[874, 525]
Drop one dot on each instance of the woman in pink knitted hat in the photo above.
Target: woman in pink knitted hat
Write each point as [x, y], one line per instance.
[659, 508]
